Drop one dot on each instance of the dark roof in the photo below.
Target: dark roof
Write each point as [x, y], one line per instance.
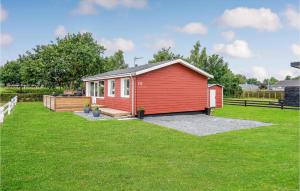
[286, 83]
[127, 70]
[134, 70]
[295, 64]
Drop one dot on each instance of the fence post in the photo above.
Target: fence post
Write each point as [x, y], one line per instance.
[1, 114]
[9, 107]
[245, 103]
[281, 104]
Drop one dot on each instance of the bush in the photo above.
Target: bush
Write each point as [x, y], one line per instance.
[30, 90]
[22, 97]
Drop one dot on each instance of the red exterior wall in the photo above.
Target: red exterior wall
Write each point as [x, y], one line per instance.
[219, 95]
[116, 102]
[175, 88]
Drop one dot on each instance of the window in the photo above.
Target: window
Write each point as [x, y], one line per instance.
[92, 89]
[100, 89]
[111, 88]
[125, 87]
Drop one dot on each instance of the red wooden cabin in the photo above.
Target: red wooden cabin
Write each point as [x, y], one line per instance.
[164, 87]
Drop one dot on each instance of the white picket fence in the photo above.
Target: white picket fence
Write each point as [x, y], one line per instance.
[7, 108]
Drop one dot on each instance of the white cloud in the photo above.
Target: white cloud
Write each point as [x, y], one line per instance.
[293, 17]
[259, 72]
[5, 39]
[288, 72]
[3, 14]
[238, 48]
[161, 43]
[193, 28]
[117, 44]
[228, 35]
[88, 7]
[85, 8]
[296, 49]
[261, 19]
[60, 31]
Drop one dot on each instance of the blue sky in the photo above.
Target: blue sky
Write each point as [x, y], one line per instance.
[257, 38]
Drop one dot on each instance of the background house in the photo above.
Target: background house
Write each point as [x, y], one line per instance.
[279, 86]
[249, 87]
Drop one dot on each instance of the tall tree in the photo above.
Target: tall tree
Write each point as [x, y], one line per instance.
[163, 55]
[241, 78]
[116, 61]
[270, 81]
[10, 73]
[253, 81]
[288, 77]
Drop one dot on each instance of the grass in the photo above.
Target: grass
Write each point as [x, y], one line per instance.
[43, 150]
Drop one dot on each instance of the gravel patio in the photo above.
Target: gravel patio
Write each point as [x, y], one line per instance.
[201, 125]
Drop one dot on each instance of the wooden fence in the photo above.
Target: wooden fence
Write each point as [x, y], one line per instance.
[263, 94]
[7, 108]
[259, 103]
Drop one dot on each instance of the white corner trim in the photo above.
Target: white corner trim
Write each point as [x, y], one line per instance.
[177, 61]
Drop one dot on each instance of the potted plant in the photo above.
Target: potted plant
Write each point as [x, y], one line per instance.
[141, 112]
[86, 108]
[96, 112]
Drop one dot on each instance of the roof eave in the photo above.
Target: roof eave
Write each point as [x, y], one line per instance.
[107, 77]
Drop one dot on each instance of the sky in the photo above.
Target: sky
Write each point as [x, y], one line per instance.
[256, 38]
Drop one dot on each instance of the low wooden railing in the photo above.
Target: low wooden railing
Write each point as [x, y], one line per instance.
[259, 103]
[7, 108]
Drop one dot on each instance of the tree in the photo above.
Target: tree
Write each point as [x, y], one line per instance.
[253, 81]
[116, 61]
[163, 55]
[241, 78]
[10, 73]
[270, 81]
[81, 55]
[288, 77]
[32, 69]
[223, 75]
[198, 57]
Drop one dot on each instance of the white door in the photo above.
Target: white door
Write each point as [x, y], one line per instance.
[212, 95]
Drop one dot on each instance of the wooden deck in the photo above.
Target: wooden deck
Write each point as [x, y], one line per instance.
[114, 112]
[66, 103]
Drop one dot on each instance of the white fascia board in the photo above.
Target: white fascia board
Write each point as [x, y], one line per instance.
[106, 77]
[211, 85]
[178, 61]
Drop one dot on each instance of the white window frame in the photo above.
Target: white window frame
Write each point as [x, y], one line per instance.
[109, 92]
[98, 86]
[123, 80]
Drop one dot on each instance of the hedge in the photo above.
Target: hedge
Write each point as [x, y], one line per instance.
[22, 97]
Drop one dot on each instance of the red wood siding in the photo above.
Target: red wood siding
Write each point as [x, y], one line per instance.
[116, 102]
[175, 88]
[219, 94]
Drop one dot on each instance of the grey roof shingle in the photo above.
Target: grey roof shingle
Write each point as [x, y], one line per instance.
[286, 83]
[126, 70]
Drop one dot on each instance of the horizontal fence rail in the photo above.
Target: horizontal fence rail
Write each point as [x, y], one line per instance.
[259, 103]
[7, 108]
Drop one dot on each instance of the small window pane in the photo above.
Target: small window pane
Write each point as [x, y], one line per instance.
[92, 89]
[101, 89]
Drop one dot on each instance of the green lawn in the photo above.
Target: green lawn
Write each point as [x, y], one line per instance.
[43, 150]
